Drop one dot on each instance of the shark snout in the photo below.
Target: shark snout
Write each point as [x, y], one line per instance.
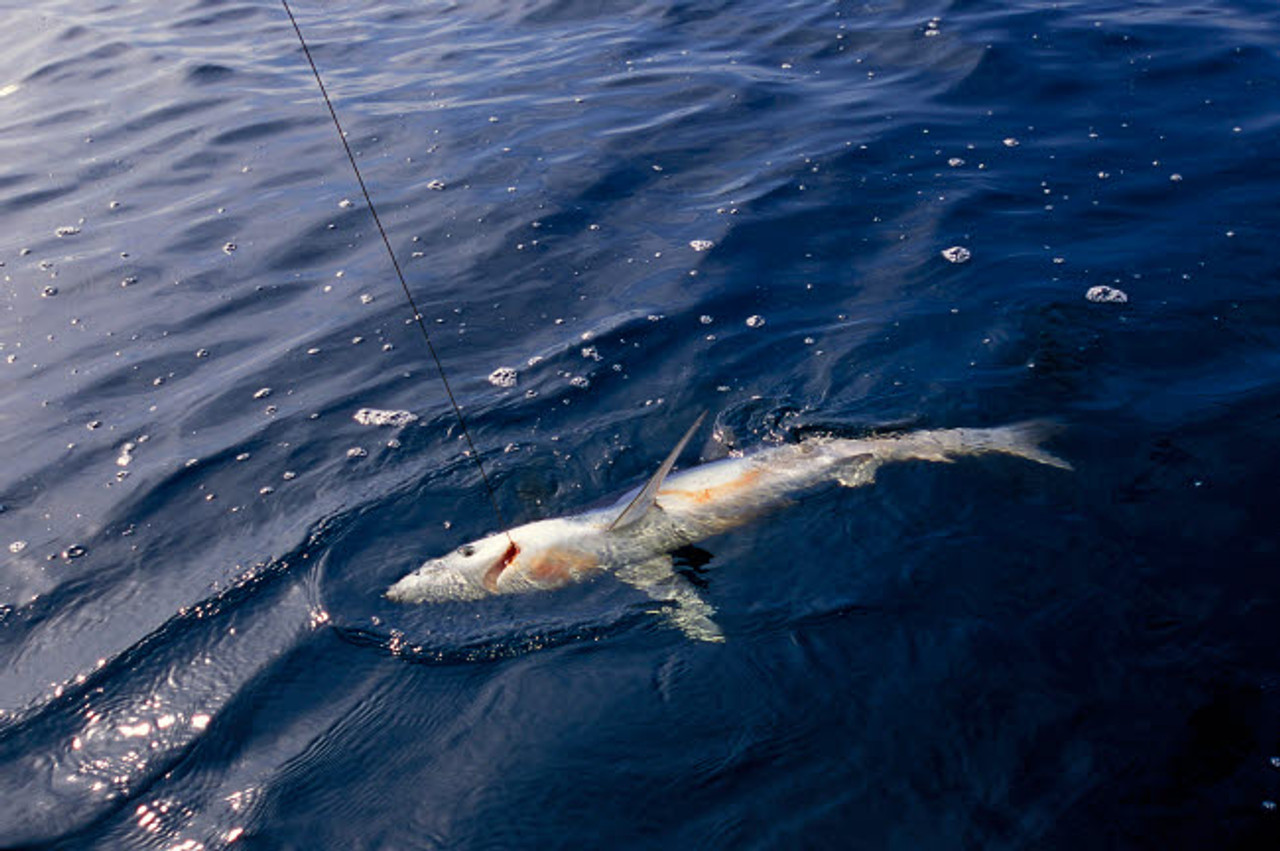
[434, 583]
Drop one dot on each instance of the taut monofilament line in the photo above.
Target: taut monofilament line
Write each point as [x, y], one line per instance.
[417, 316]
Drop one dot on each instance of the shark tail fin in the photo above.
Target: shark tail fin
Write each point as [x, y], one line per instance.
[1024, 440]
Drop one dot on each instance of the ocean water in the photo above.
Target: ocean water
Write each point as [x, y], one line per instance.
[632, 212]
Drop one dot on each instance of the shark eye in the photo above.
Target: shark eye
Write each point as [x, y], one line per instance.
[466, 550]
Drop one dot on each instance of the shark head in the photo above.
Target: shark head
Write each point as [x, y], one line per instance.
[537, 556]
[468, 573]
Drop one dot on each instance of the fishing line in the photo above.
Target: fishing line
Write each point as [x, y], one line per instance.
[417, 316]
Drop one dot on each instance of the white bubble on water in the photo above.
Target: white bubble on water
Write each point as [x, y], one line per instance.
[262, 393]
[705, 319]
[756, 321]
[344, 203]
[365, 298]
[357, 452]
[956, 254]
[1011, 142]
[701, 244]
[580, 381]
[17, 547]
[592, 353]
[229, 247]
[67, 230]
[126, 454]
[1106, 295]
[503, 376]
[377, 417]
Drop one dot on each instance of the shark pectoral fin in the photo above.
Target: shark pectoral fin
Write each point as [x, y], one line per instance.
[687, 611]
[858, 470]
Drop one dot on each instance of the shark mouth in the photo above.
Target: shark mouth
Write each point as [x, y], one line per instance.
[491, 575]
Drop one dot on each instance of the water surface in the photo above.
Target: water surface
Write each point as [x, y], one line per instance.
[194, 651]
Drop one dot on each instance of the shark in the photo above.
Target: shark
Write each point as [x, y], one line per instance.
[635, 538]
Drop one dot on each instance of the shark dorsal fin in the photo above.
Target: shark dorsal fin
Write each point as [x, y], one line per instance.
[640, 504]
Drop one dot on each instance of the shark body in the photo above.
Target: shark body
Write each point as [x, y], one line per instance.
[634, 539]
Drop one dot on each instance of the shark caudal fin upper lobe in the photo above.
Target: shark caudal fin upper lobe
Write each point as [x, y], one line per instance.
[1023, 439]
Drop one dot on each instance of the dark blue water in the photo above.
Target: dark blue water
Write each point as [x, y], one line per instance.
[194, 651]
